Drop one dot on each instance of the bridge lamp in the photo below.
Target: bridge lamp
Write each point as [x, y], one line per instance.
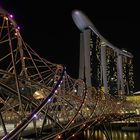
[35, 116]
[49, 100]
[11, 16]
[39, 94]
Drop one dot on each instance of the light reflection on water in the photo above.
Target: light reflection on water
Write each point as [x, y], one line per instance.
[99, 135]
[116, 135]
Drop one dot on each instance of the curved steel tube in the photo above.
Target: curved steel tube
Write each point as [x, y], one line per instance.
[29, 118]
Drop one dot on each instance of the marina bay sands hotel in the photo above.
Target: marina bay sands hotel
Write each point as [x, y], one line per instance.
[103, 65]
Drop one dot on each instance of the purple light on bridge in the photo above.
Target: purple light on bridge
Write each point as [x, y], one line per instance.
[49, 100]
[35, 116]
[18, 28]
[11, 16]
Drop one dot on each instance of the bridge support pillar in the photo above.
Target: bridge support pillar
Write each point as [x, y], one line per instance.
[3, 124]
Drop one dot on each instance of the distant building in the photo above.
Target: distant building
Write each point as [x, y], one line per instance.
[110, 69]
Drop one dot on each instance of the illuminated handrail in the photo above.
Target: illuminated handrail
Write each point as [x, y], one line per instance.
[29, 118]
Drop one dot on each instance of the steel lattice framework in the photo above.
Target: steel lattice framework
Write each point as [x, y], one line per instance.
[37, 96]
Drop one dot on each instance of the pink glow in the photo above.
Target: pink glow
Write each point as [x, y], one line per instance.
[11, 16]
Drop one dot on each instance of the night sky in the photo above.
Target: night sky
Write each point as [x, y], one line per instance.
[49, 29]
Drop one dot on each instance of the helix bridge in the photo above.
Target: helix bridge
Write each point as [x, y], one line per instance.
[39, 97]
